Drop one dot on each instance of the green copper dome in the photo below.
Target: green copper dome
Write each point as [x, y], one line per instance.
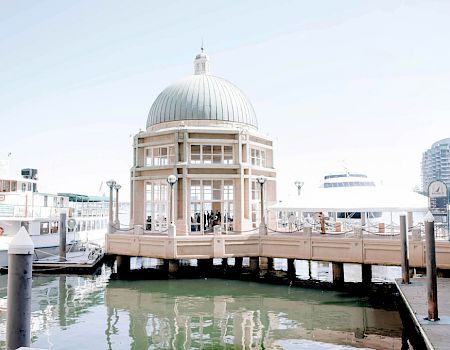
[202, 97]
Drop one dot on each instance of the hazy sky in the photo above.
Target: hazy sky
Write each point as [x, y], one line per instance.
[365, 82]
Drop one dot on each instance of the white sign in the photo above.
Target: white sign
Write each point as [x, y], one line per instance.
[71, 223]
[438, 201]
[437, 189]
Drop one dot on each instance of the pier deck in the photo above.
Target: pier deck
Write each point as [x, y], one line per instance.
[436, 334]
[362, 249]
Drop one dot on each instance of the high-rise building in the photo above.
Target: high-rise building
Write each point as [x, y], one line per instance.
[436, 164]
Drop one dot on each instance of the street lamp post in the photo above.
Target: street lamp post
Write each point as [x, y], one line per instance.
[299, 185]
[262, 227]
[116, 221]
[111, 184]
[171, 180]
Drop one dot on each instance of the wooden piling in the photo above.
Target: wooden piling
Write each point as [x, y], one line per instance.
[62, 237]
[291, 268]
[338, 273]
[404, 249]
[431, 269]
[123, 266]
[366, 273]
[171, 266]
[254, 264]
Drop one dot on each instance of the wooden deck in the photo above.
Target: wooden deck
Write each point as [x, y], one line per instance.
[436, 334]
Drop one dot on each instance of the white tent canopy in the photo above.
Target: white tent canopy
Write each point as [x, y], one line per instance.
[355, 199]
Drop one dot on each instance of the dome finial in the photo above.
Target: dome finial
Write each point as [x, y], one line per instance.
[201, 62]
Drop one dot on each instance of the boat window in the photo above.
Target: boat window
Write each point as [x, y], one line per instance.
[54, 227]
[44, 228]
[5, 185]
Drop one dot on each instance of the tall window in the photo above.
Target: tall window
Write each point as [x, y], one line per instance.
[157, 156]
[256, 190]
[156, 205]
[211, 204]
[258, 157]
[228, 154]
[195, 154]
[211, 154]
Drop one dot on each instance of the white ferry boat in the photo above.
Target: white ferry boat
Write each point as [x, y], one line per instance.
[345, 180]
[22, 205]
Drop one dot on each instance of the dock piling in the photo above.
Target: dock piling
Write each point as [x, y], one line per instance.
[62, 237]
[291, 268]
[404, 250]
[366, 273]
[254, 264]
[171, 267]
[338, 273]
[431, 268]
[238, 264]
[123, 265]
[20, 267]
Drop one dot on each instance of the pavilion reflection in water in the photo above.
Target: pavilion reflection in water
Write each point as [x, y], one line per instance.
[190, 314]
[164, 317]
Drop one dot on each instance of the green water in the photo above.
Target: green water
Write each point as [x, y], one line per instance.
[98, 313]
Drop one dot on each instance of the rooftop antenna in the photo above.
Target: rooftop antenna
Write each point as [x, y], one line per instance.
[202, 46]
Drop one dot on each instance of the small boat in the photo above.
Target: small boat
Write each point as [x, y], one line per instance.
[22, 205]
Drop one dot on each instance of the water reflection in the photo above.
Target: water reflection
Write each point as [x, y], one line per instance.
[57, 302]
[71, 312]
[198, 314]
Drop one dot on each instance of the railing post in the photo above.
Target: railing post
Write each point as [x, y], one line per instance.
[404, 249]
[431, 268]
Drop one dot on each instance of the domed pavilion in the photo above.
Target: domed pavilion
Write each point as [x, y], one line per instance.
[203, 130]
